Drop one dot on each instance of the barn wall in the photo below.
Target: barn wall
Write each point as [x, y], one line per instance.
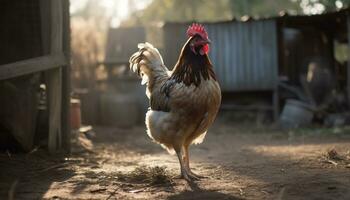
[244, 54]
[35, 40]
[122, 43]
[20, 33]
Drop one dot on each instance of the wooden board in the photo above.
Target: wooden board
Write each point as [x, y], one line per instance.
[66, 84]
[54, 80]
[54, 85]
[348, 67]
[33, 65]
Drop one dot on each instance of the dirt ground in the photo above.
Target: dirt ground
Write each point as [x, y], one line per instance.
[239, 162]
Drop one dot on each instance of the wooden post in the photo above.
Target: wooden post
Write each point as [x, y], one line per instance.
[66, 131]
[348, 67]
[54, 82]
[275, 106]
[277, 53]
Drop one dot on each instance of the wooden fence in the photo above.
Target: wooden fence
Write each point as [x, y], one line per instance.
[55, 65]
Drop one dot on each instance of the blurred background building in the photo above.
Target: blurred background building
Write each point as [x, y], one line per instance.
[263, 53]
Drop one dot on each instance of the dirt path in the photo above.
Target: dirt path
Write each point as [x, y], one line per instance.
[240, 163]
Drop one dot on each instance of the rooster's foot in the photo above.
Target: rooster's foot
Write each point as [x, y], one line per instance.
[193, 177]
[196, 175]
[188, 177]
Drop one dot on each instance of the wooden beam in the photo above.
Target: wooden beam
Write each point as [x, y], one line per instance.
[54, 80]
[348, 67]
[54, 83]
[33, 65]
[66, 85]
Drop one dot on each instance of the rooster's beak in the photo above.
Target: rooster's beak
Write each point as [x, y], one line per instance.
[204, 41]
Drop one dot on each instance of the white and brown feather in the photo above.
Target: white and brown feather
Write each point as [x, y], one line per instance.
[183, 102]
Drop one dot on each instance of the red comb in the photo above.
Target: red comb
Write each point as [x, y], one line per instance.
[197, 29]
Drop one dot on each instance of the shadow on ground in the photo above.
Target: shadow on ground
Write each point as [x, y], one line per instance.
[203, 195]
[30, 176]
[198, 193]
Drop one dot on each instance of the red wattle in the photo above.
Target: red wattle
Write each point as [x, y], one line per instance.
[206, 48]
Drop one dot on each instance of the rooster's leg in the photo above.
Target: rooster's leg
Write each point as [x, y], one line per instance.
[182, 166]
[187, 164]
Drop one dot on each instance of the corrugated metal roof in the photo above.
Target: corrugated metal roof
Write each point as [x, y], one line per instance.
[281, 15]
[244, 54]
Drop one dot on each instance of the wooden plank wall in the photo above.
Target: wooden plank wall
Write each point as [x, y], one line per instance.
[54, 79]
[55, 64]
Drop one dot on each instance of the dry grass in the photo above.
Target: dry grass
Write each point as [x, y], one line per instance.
[333, 154]
[333, 157]
[149, 175]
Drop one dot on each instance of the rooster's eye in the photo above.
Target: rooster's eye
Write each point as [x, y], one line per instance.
[195, 41]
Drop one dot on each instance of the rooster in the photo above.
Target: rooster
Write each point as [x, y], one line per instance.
[183, 102]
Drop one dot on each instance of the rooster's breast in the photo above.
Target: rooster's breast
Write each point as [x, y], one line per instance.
[197, 105]
[205, 109]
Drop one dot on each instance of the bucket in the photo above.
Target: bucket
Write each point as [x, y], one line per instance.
[75, 114]
[296, 114]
